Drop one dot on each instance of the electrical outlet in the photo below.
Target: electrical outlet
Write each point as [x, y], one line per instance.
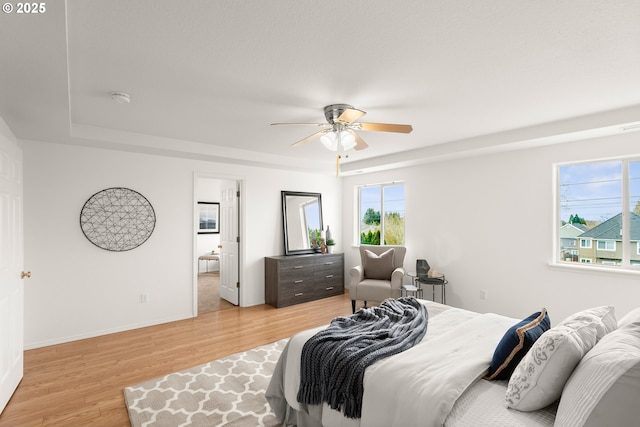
[483, 294]
[144, 298]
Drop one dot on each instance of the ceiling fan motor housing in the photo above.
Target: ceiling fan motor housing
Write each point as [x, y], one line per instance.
[333, 111]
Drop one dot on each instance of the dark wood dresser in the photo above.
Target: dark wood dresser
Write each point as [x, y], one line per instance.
[295, 279]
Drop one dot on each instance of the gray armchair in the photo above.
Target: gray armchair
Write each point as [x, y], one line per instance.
[379, 276]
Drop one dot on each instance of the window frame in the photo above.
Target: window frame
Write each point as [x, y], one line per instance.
[626, 264]
[358, 203]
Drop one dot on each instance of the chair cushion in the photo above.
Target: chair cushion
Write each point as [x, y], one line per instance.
[515, 343]
[378, 266]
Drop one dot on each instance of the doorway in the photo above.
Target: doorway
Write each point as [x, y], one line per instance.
[216, 247]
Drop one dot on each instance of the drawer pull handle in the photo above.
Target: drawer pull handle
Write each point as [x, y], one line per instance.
[330, 288]
[298, 281]
[328, 263]
[298, 294]
[329, 276]
[298, 266]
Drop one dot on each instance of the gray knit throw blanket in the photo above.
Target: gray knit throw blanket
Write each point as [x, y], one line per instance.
[334, 359]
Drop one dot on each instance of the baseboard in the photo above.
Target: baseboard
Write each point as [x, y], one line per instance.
[62, 340]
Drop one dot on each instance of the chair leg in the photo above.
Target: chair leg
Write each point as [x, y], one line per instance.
[353, 306]
[365, 304]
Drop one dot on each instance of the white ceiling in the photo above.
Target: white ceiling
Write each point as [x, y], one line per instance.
[207, 78]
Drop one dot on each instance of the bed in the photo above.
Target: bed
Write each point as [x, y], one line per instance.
[441, 379]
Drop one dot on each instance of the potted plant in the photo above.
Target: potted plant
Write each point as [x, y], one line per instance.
[330, 244]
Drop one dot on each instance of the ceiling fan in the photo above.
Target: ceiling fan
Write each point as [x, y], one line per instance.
[339, 132]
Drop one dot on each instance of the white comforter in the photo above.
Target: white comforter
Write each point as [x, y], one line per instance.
[416, 387]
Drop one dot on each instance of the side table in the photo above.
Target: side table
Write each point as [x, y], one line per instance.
[437, 279]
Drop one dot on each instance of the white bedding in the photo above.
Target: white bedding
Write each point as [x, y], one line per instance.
[482, 404]
[419, 386]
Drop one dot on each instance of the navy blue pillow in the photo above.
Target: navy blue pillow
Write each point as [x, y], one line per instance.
[515, 343]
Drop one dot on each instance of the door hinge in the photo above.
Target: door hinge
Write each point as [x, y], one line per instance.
[238, 239]
[237, 284]
[238, 193]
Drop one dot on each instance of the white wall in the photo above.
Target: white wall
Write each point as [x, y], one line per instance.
[487, 223]
[79, 290]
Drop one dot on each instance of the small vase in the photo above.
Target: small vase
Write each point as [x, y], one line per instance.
[329, 249]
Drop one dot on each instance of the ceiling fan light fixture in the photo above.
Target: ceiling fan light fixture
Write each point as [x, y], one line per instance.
[330, 141]
[348, 140]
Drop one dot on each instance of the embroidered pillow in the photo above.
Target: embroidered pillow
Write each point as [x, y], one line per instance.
[540, 376]
[379, 266]
[515, 343]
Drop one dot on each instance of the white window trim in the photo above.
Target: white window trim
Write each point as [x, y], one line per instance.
[356, 225]
[627, 266]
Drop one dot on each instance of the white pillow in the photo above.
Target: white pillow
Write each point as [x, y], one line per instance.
[606, 313]
[604, 388]
[630, 317]
[540, 376]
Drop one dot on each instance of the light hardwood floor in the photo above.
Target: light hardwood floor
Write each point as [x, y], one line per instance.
[81, 383]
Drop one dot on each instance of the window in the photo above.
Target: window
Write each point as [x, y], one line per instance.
[601, 200]
[606, 245]
[381, 214]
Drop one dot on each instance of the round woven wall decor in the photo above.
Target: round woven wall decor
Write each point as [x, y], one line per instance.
[117, 219]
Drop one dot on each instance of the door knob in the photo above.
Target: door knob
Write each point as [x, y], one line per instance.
[23, 274]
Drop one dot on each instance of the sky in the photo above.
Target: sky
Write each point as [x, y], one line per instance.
[312, 215]
[594, 190]
[393, 198]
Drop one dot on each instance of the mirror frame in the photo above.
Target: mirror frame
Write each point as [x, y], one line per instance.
[287, 249]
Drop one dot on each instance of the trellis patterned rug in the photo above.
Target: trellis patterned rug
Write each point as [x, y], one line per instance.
[225, 392]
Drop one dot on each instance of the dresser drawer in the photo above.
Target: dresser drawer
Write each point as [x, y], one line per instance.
[296, 295]
[327, 276]
[296, 264]
[327, 289]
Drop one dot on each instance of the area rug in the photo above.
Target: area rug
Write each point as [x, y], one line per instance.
[225, 392]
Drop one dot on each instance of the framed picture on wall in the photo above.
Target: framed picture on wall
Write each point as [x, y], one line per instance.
[208, 217]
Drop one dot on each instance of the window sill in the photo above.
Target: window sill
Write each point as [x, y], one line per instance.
[594, 269]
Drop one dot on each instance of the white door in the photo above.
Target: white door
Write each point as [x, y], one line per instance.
[11, 259]
[229, 236]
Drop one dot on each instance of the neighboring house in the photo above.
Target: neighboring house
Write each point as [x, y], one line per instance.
[603, 243]
[568, 241]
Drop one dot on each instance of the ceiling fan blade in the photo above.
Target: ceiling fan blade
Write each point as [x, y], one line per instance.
[310, 137]
[300, 124]
[383, 127]
[349, 116]
[360, 144]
